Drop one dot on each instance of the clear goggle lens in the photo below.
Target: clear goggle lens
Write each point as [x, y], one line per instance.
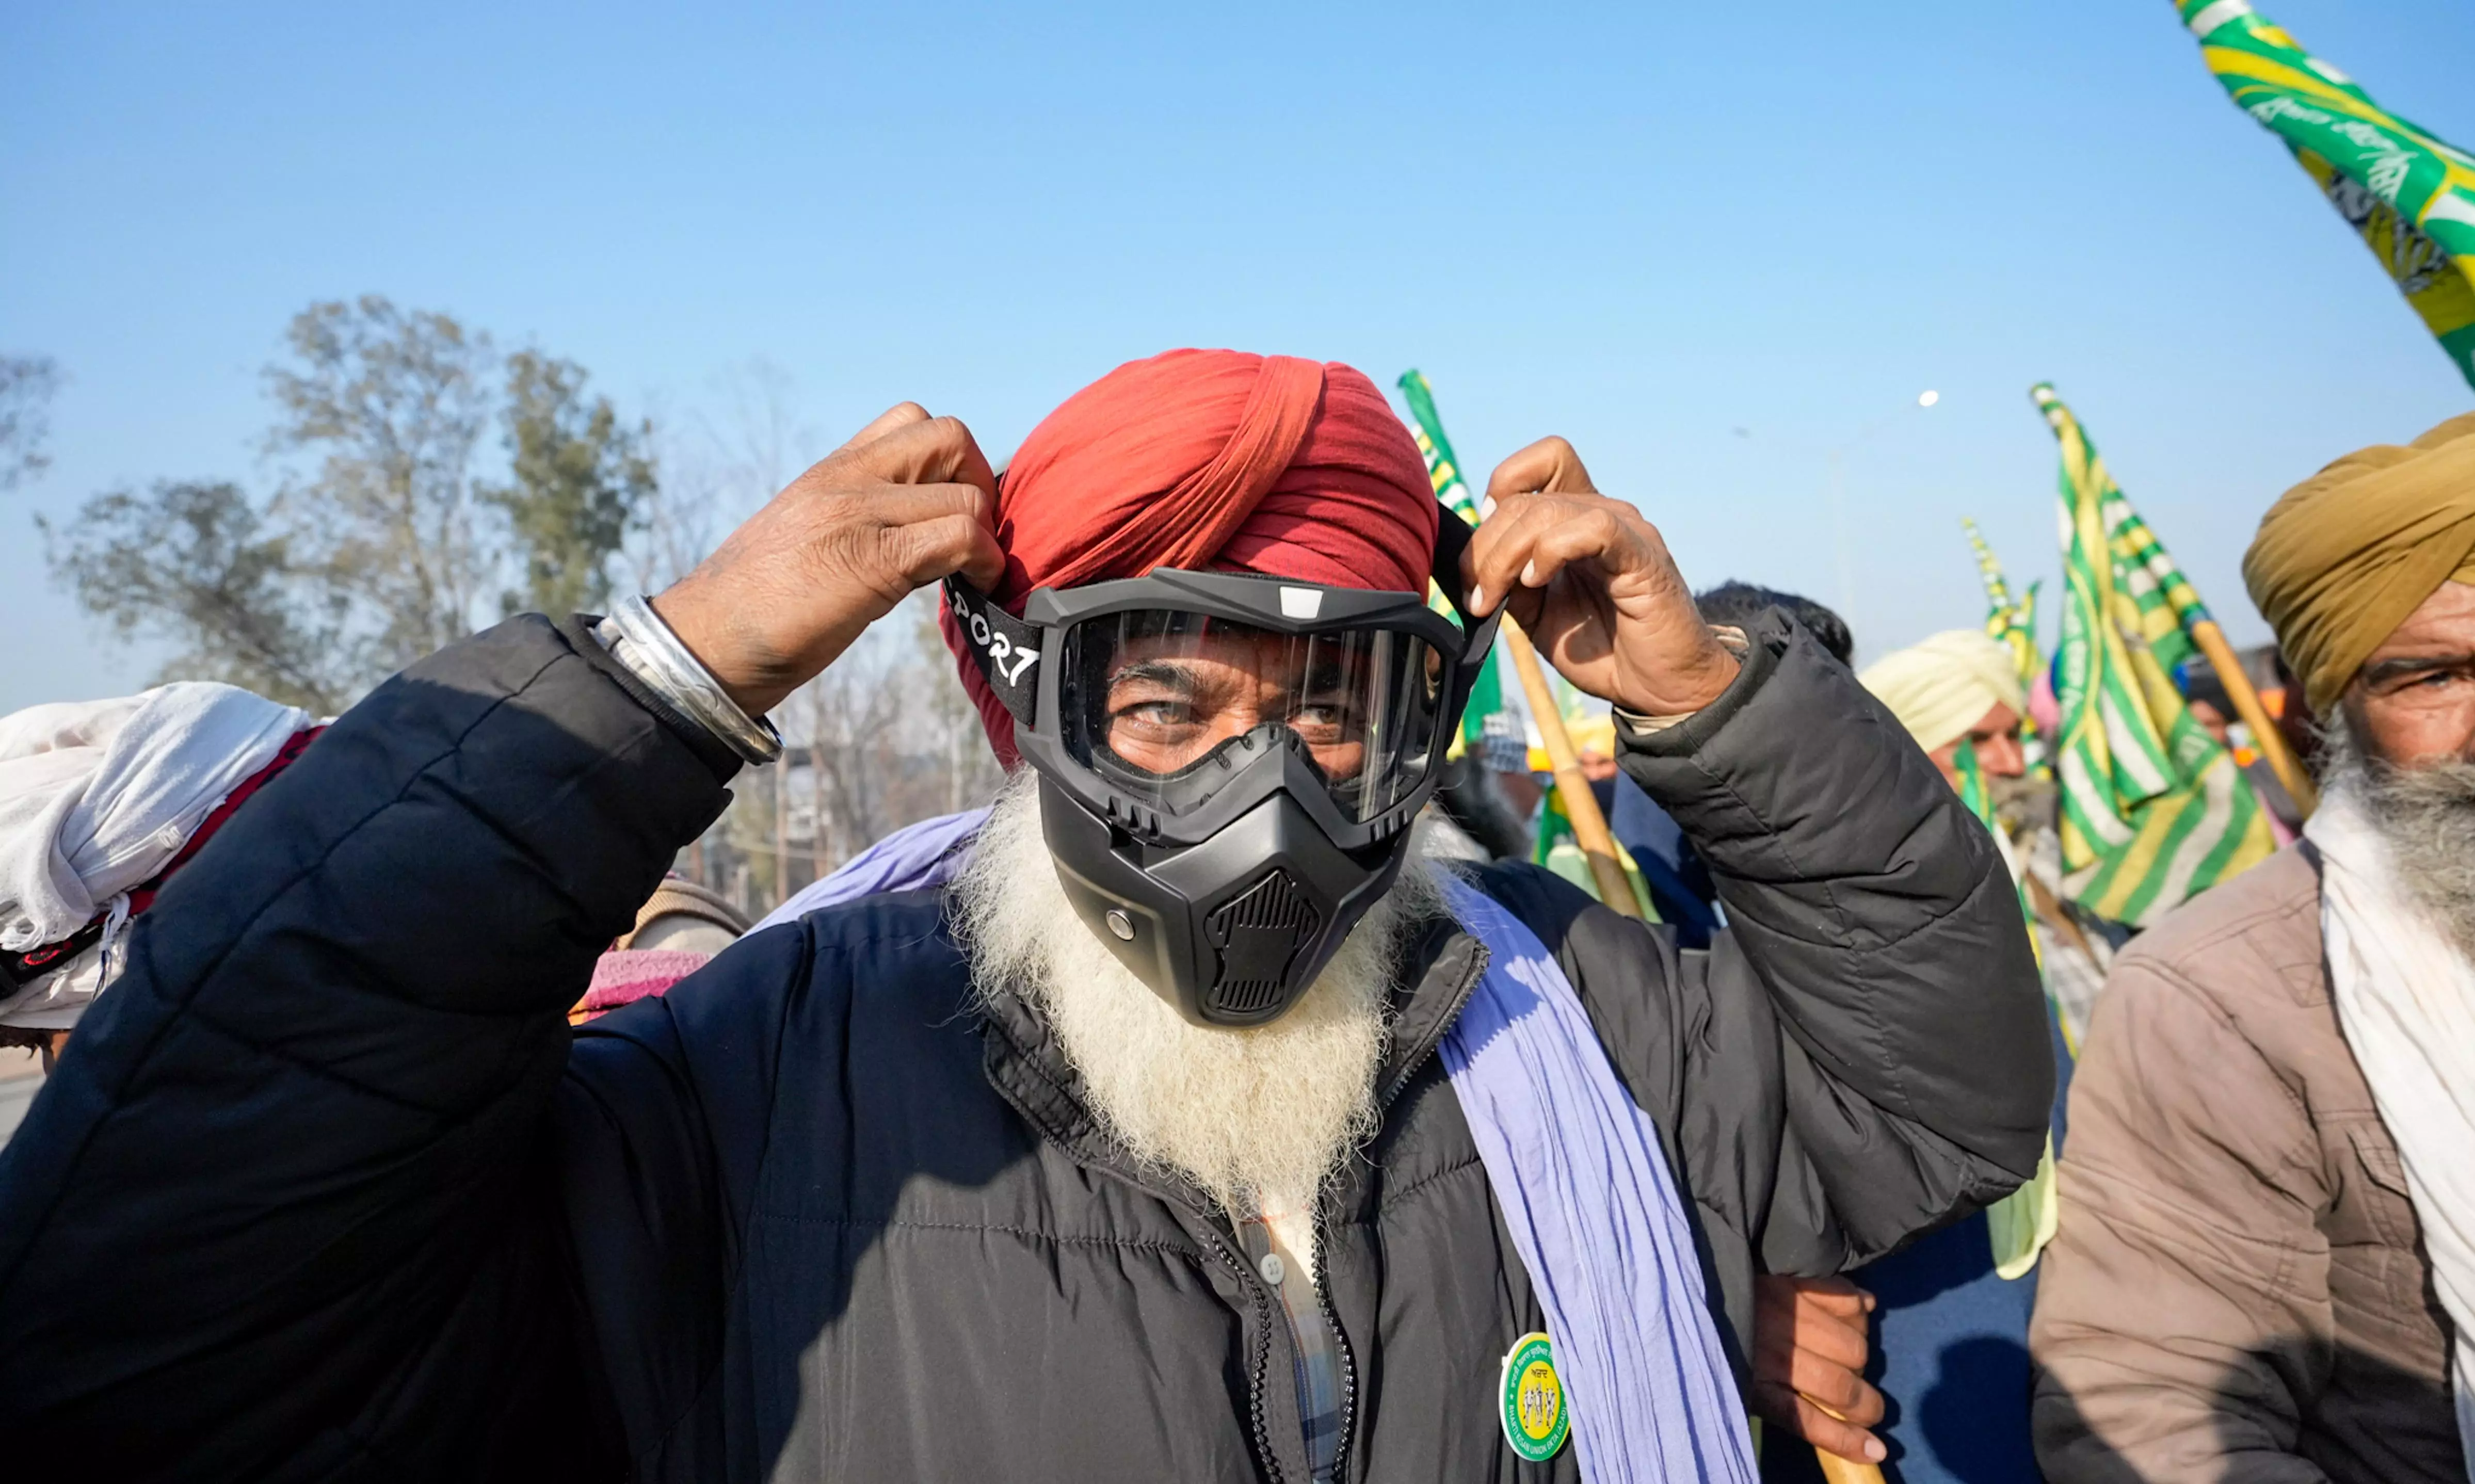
[1150, 697]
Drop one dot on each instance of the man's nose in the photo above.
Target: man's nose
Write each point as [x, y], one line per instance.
[1232, 722]
[2003, 757]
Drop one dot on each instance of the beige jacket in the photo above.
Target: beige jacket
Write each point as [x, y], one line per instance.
[2237, 1292]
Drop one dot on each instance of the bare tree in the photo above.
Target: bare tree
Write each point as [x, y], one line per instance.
[820, 843]
[685, 515]
[856, 704]
[759, 434]
[885, 738]
[717, 465]
[950, 720]
[742, 846]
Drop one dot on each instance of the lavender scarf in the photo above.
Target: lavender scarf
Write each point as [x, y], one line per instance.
[1593, 1212]
[1576, 1168]
[916, 856]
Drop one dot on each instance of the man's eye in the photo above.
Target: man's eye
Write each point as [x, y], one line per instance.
[1160, 712]
[2424, 681]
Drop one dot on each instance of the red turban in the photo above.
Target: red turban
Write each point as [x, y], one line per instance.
[1209, 459]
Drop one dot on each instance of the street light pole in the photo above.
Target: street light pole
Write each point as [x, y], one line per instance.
[1837, 494]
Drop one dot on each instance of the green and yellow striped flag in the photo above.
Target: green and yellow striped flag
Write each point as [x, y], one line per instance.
[2154, 810]
[2016, 625]
[2023, 1222]
[2167, 603]
[1560, 852]
[2408, 194]
[2013, 624]
[1444, 473]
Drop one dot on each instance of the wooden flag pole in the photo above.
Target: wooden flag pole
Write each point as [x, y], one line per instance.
[1598, 847]
[1836, 1469]
[2264, 729]
[1580, 806]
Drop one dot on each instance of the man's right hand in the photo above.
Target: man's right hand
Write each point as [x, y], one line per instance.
[906, 502]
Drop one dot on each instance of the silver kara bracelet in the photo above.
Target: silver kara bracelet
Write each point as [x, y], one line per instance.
[637, 638]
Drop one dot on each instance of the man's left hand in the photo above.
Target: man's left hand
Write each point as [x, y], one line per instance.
[1810, 1344]
[1592, 582]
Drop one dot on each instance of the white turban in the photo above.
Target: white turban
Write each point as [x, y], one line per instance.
[1941, 688]
[97, 798]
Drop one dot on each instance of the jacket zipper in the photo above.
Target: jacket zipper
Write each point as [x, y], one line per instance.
[1348, 1379]
[1323, 1300]
[1207, 1224]
[1252, 1281]
[1263, 1319]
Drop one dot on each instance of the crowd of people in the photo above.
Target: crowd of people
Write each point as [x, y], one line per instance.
[1253, 1089]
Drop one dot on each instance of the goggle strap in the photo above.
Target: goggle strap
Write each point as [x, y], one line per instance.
[1005, 648]
[1452, 539]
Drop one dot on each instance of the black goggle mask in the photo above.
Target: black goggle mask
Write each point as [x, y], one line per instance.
[1229, 764]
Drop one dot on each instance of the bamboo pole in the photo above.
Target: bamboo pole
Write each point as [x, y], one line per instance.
[1598, 847]
[1836, 1469]
[2264, 729]
[1580, 806]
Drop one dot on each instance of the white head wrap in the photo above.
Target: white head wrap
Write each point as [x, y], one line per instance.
[1941, 687]
[96, 797]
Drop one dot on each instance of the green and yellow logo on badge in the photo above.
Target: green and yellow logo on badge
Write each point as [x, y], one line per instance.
[1535, 1418]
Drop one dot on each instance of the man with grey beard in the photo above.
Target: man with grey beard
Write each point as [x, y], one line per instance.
[2266, 1262]
[1256, 1119]
[1199, 1129]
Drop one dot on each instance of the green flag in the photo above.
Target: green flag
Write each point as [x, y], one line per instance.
[2153, 809]
[2023, 1222]
[2015, 624]
[2408, 195]
[1560, 852]
[1443, 472]
[2167, 604]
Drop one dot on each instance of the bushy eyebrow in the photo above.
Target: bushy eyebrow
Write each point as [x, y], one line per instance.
[1170, 675]
[2382, 672]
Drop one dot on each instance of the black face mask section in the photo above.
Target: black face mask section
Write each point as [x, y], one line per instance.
[1228, 882]
[1231, 931]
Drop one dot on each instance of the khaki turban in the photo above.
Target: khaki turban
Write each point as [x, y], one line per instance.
[2346, 555]
[1941, 688]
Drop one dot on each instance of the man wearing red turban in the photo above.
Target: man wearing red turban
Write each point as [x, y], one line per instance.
[1211, 460]
[1042, 1175]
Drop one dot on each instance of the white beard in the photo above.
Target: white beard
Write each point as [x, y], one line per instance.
[2427, 815]
[1259, 1118]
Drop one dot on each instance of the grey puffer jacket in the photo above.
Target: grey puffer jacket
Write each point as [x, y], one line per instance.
[327, 1189]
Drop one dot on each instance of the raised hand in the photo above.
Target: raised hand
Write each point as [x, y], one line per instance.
[906, 502]
[1592, 583]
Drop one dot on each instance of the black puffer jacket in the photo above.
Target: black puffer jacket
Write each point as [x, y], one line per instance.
[326, 1188]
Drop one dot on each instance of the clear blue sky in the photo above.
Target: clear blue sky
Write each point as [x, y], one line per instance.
[1642, 227]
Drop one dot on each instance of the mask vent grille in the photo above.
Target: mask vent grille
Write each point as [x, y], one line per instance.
[1258, 933]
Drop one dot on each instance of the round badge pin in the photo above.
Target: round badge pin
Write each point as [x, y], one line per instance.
[1535, 1418]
